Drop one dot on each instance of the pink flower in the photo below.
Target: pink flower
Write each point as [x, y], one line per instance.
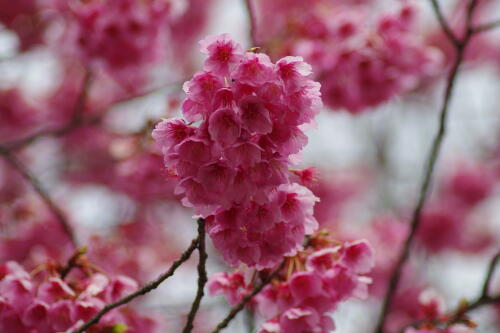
[224, 127]
[237, 158]
[223, 54]
[231, 285]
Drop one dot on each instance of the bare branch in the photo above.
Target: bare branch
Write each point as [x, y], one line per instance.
[460, 47]
[236, 309]
[144, 290]
[42, 192]
[444, 24]
[202, 277]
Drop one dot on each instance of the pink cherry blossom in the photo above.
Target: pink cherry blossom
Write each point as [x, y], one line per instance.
[233, 166]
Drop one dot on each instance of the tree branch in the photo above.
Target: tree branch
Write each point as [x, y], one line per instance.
[253, 22]
[75, 121]
[486, 27]
[237, 308]
[458, 315]
[443, 23]
[202, 277]
[489, 275]
[144, 290]
[41, 191]
[79, 120]
[460, 47]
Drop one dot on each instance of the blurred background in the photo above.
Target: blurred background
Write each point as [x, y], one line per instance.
[94, 93]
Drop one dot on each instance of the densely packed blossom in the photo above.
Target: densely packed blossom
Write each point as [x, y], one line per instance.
[351, 48]
[309, 287]
[45, 302]
[233, 167]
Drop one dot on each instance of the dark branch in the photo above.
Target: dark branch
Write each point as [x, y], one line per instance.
[142, 291]
[460, 47]
[202, 276]
[42, 192]
[236, 309]
[443, 23]
[75, 121]
[459, 315]
[73, 261]
[489, 275]
[79, 120]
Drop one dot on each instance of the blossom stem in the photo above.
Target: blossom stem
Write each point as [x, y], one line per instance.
[237, 308]
[144, 290]
[202, 277]
[460, 47]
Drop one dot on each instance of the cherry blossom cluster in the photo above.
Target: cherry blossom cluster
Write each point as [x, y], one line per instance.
[31, 304]
[117, 34]
[310, 286]
[362, 59]
[233, 167]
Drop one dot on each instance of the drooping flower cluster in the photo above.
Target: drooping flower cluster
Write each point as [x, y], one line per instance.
[310, 286]
[362, 59]
[29, 304]
[233, 167]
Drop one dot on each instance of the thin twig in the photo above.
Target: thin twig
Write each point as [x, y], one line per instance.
[458, 315]
[253, 22]
[142, 291]
[75, 121]
[460, 47]
[80, 121]
[237, 308]
[489, 275]
[202, 277]
[444, 24]
[487, 27]
[42, 192]
[73, 261]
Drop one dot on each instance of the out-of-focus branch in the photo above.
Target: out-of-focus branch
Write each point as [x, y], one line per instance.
[443, 23]
[458, 315]
[253, 22]
[79, 120]
[460, 47]
[202, 277]
[237, 308]
[487, 27]
[73, 261]
[75, 121]
[144, 290]
[42, 192]
[489, 275]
